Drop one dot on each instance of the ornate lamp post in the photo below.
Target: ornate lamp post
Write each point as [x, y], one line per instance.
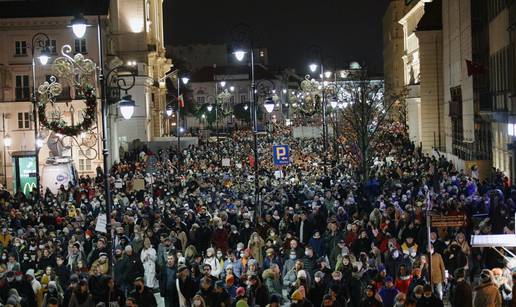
[244, 44]
[39, 41]
[316, 50]
[127, 105]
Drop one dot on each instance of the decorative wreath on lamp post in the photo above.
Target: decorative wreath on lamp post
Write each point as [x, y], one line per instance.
[79, 72]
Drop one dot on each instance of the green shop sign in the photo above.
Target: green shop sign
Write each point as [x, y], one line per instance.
[24, 173]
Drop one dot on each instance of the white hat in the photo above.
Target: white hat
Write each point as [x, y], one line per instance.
[301, 274]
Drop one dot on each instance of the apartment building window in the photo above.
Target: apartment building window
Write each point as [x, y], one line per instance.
[200, 99]
[53, 46]
[20, 48]
[232, 99]
[84, 165]
[84, 162]
[242, 98]
[24, 120]
[80, 45]
[22, 90]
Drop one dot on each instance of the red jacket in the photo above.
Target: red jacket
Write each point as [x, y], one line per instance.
[402, 284]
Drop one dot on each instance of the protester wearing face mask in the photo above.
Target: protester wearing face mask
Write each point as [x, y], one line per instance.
[143, 295]
[213, 262]
[370, 299]
[429, 299]
[310, 261]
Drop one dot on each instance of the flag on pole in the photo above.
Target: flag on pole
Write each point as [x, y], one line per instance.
[181, 101]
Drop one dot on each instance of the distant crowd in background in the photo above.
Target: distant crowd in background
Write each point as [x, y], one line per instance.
[186, 231]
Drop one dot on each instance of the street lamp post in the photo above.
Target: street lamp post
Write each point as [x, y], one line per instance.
[313, 68]
[40, 41]
[127, 105]
[243, 35]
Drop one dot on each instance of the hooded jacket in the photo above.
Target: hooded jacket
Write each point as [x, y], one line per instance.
[487, 295]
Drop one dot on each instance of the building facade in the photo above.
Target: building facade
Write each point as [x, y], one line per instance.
[501, 18]
[136, 36]
[232, 85]
[422, 60]
[132, 31]
[393, 47]
[16, 85]
[451, 104]
[468, 128]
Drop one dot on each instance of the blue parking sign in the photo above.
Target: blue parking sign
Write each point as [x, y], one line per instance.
[280, 154]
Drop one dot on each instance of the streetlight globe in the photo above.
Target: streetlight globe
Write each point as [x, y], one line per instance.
[79, 25]
[8, 141]
[334, 102]
[269, 105]
[185, 80]
[169, 112]
[181, 129]
[246, 107]
[127, 106]
[232, 88]
[313, 67]
[43, 59]
[223, 84]
[239, 55]
[209, 108]
[327, 74]
[203, 116]
[284, 91]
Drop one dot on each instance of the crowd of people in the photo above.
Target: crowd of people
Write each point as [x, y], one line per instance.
[187, 232]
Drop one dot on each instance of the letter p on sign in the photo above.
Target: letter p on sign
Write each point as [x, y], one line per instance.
[281, 154]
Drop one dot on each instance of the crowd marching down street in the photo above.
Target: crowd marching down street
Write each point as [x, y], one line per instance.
[188, 233]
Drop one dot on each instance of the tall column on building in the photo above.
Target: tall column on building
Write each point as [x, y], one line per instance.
[137, 38]
[422, 61]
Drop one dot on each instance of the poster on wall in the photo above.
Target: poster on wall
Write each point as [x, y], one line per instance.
[24, 174]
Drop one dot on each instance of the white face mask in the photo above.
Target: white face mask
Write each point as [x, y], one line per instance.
[395, 254]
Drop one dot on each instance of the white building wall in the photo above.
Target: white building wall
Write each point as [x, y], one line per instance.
[457, 48]
[499, 39]
[23, 139]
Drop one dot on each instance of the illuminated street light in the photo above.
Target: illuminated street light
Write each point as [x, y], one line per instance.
[127, 106]
[239, 55]
[79, 26]
[269, 105]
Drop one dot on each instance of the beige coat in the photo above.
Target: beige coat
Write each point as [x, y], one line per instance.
[438, 268]
[487, 295]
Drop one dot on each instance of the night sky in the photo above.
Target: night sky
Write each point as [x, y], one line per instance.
[347, 30]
